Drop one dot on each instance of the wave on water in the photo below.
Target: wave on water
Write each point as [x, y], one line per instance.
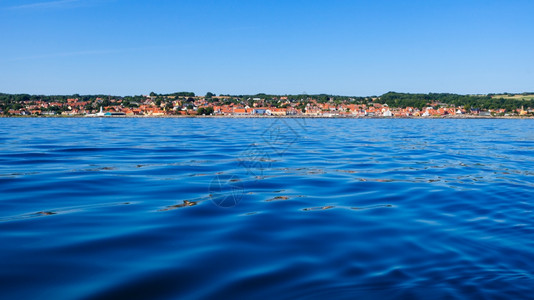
[266, 208]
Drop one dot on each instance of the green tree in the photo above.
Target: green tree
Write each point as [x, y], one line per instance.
[168, 106]
[205, 111]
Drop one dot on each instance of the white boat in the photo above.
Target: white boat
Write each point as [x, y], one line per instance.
[100, 113]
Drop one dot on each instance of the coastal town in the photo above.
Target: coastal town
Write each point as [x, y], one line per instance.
[188, 104]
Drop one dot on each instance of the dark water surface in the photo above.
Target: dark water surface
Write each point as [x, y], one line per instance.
[266, 208]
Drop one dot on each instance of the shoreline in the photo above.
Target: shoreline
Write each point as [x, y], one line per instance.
[471, 117]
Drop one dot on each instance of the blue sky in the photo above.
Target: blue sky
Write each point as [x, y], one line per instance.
[360, 48]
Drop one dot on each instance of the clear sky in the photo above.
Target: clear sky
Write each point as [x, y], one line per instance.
[360, 48]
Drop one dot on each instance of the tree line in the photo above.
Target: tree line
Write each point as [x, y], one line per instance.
[392, 99]
[420, 101]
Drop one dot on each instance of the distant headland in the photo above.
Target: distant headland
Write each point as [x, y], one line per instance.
[185, 104]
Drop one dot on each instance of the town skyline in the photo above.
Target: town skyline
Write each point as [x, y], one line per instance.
[391, 104]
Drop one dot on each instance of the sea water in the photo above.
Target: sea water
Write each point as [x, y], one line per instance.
[215, 208]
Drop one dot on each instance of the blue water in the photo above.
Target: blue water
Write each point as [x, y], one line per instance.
[266, 209]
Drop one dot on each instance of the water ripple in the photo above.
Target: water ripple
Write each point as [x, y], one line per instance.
[289, 208]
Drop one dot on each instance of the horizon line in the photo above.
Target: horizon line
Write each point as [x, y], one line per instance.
[273, 94]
